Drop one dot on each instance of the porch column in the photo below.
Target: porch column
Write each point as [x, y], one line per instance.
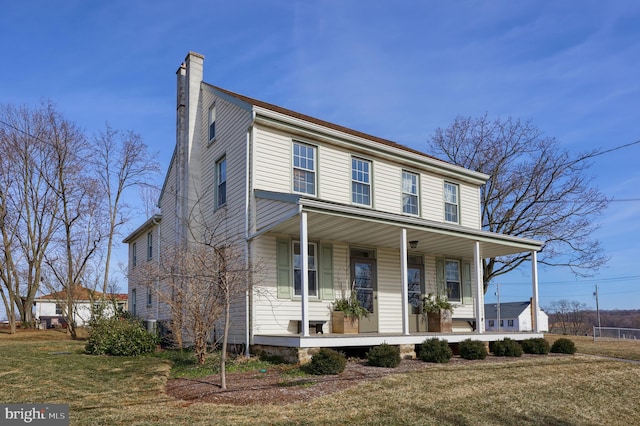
[404, 274]
[477, 261]
[304, 278]
[534, 283]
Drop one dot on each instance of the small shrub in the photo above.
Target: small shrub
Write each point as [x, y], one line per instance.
[563, 346]
[120, 337]
[384, 356]
[435, 350]
[327, 361]
[506, 347]
[472, 349]
[536, 346]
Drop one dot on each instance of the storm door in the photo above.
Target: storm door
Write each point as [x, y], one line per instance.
[363, 279]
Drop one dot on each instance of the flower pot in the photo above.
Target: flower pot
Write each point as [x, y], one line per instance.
[343, 325]
[440, 322]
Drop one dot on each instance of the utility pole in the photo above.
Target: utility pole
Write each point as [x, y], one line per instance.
[498, 305]
[597, 312]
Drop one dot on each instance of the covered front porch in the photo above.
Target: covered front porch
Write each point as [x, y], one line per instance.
[395, 238]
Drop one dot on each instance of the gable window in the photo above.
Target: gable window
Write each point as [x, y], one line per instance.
[361, 181]
[451, 206]
[410, 193]
[149, 246]
[212, 123]
[221, 181]
[134, 254]
[297, 269]
[452, 276]
[304, 169]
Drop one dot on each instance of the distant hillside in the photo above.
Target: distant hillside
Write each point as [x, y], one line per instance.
[582, 322]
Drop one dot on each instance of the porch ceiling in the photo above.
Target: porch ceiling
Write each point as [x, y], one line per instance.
[378, 229]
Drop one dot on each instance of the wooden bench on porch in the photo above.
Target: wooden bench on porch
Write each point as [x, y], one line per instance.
[313, 325]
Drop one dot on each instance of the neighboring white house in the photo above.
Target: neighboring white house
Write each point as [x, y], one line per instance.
[50, 309]
[514, 316]
[321, 208]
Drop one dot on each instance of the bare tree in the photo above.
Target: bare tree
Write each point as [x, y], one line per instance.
[28, 201]
[122, 161]
[535, 190]
[569, 316]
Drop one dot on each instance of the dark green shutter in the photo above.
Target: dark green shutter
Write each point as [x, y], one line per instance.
[440, 280]
[326, 272]
[467, 292]
[283, 257]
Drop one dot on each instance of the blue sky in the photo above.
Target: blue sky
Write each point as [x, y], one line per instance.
[395, 69]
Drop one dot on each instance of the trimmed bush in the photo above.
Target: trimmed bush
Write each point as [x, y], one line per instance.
[120, 337]
[535, 346]
[435, 350]
[472, 349]
[384, 355]
[327, 361]
[506, 347]
[563, 346]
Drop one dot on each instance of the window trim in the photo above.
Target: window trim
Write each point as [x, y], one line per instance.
[313, 171]
[368, 184]
[315, 269]
[456, 203]
[149, 245]
[416, 194]
[218, 191]
[212, 122]
[134, 254]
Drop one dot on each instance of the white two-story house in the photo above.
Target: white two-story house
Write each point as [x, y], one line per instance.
[323, 209]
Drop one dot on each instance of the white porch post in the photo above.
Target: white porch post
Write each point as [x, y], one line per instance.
[405, 282]
[304, 278]
[477, 262]
[534, 283]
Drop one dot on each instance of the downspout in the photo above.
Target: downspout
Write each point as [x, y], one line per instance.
[247, 247]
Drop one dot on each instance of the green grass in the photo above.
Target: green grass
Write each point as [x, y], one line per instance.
[540, 390]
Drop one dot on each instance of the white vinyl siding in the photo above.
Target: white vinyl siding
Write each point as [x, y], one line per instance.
[389, 295]
[273, 170]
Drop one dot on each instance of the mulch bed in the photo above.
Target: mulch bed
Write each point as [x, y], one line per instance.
[278, 385]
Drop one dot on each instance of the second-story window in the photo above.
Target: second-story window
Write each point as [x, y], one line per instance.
[451, 205]
[149, 246]
[410, 193]
[221, 181]
[361, 181]
[212, 123]
[304, 169]
[134, 254]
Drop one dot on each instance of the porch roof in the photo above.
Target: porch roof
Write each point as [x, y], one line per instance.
[367, 227]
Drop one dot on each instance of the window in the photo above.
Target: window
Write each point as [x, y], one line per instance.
[212, 123]
[452, 275]
[221, 181]
[134, 255]
[297, 269]
[149, 246]
[304, 169]
[415, 280]
[361, 181]
[510, 323]
[410, 193]
[133, 302]
[149, 297]
[501, 323]
[492, 323]
[58, 309]
[451, 202]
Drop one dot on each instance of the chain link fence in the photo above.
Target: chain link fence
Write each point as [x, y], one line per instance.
[615, 333]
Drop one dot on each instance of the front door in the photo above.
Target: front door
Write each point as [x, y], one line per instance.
[363, 275]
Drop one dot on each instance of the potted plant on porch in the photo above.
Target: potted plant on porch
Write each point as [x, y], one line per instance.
[438, 311]
[346, 314]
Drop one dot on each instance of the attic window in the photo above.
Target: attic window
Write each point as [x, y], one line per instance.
[212, 122]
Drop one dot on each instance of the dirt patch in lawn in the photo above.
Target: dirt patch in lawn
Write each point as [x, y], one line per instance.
[282, 384]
